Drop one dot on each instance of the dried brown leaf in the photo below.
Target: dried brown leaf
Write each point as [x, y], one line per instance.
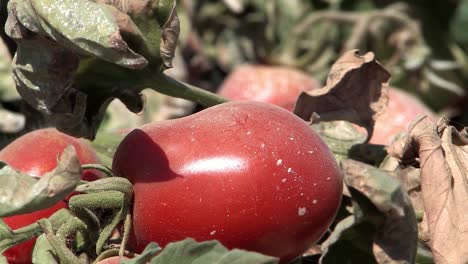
[356, 91]
[442, 152]
[169, 37]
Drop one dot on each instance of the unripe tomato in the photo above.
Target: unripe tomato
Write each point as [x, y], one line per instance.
[278, 85]
[35, 154]
[251, 175]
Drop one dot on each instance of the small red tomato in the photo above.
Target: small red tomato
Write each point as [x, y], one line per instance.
[276, 85]
[402, 109]
[249, 174]
[35, 154]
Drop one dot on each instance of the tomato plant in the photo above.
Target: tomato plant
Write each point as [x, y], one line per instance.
[35, 154]
[277, 85]
[249, 174]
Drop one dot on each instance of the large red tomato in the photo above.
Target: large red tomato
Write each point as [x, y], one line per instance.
[35, 154]
[251, 175]
[277, 85]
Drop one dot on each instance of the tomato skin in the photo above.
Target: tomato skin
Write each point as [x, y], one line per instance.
[278, 85]
[36, 154]
[249, 174]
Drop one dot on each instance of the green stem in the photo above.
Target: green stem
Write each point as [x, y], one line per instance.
[113, 252]
[20, 235]
[64, 253]
[126, 233]
[106, 170]
[168, 86]
[25, 233]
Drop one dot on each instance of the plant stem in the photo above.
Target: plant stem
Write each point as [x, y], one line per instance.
[106, 170]
[168, 86]
[21, 235]
[25, 233]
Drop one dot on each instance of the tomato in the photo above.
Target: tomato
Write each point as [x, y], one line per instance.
[402, 109]
[277, 85]
[281, 86]
[35, 154]
[112, 260]
[249, 174]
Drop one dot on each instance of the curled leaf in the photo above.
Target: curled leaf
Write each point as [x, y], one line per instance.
[21, 193]
[441, 152]
[356, 91]
[169, 37]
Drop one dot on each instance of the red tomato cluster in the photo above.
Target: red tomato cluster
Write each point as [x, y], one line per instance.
[249, 174]
[281, 86]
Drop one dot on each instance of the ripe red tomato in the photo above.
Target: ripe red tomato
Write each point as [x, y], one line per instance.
[281, 86]
[36, 153]
[251, 175]
[277, 85]
[112, 260]
[402, 109]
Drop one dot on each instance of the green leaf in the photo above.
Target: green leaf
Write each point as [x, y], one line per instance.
[189, 251]
[383, 227]
[75, 57]
[459, 24]
[81, 26]
[21, 193]
[43, 251]
[145, 256]
[350, 242]
[7, 86]
[340, 137]
[9, 238]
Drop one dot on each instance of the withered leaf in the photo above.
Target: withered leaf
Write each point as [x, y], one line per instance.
[169, 37]
[21, 193]
[442, 153]
[356, 91]
[383, 219]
